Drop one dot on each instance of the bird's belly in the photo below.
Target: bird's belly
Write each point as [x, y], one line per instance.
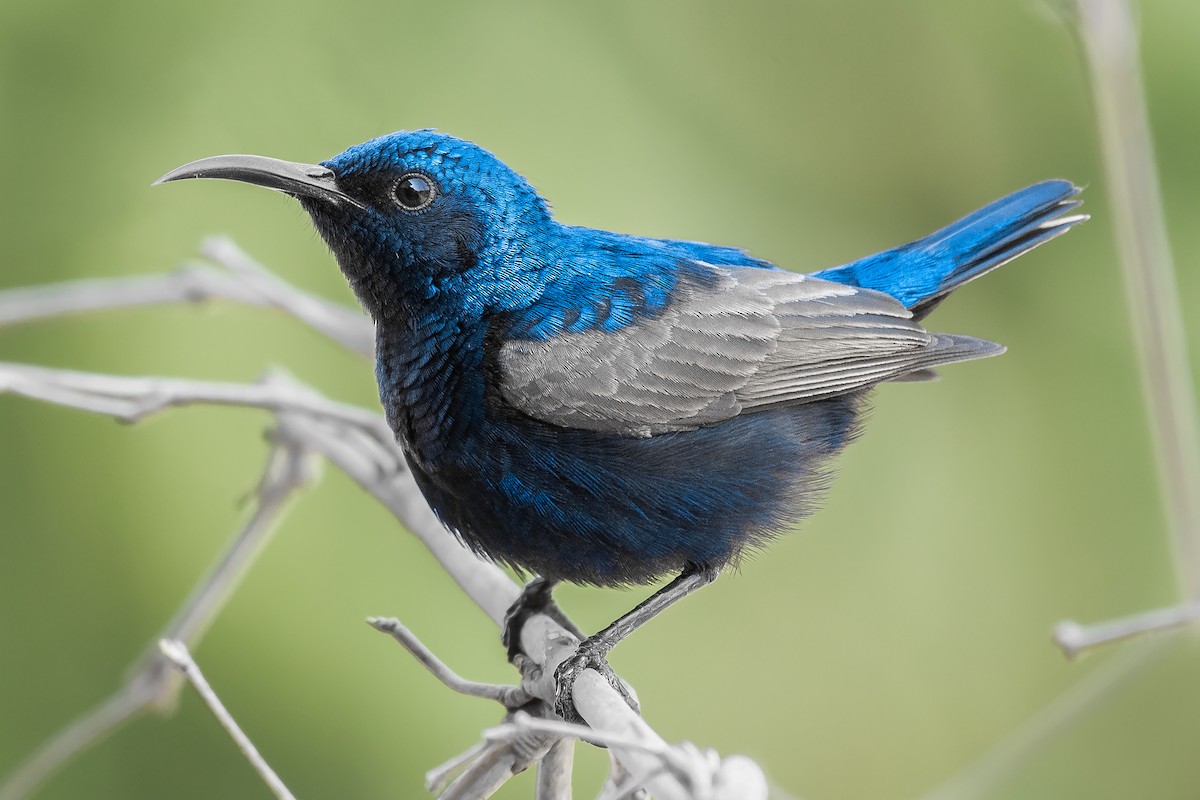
[595, 508]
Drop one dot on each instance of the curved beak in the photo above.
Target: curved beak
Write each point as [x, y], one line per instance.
[289, 177]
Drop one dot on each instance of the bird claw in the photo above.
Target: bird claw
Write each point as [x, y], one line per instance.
[590, 655]
[535, 598]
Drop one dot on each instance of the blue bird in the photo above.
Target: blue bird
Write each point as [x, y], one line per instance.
[607, 409]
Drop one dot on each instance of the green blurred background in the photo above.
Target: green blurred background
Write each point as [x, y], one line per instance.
[897, 638]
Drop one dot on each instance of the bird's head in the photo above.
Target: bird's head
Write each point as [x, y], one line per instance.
[411, 212]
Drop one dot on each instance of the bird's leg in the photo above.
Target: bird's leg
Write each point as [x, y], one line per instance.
[536, 598]
[593, 650]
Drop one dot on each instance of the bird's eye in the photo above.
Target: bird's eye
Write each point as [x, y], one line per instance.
[414, 191]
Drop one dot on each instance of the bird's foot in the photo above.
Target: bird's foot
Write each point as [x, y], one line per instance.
[590, 655]
[536, 598]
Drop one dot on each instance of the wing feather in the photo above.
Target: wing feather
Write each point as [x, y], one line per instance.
[738, 340]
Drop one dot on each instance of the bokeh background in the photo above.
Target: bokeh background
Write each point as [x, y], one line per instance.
[895, 640]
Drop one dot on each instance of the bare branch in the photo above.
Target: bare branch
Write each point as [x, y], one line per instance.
[1109, 36]
[248, 283]
[697, 773]
[177, 653]
[191, 283]
[134, 399]
[371, 458]
[89, 729]
[1073, 638]
[288, 470]
[620, 784]
[152, 685]
[554, 771]
[437, 778]
[378, 468]
[347, 326]
[486, 766]
[496, 764]
[509, 696]
[984, 776]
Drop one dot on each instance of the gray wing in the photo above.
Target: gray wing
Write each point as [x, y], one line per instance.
[747, 340]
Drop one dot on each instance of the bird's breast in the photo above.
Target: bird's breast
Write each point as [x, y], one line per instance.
[431, 384]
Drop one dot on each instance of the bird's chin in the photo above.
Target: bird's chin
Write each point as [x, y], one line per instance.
[335, 225]
[326, 207]
[357, 256]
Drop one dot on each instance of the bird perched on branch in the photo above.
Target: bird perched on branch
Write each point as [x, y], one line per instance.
[608, 409]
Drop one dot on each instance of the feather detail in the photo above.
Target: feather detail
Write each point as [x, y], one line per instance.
[729, 340]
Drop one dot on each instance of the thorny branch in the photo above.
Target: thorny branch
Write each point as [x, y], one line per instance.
[359, 443]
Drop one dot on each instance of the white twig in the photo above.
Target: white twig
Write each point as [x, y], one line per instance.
[177, 653]
[379, 468]
[508, 696]
[521, 723]
[288, 470]
[554, 771]
[1109, 36]
[196, 283]
[132, 399]
[621, 785]
[496, 764]
[700, 774]
[240, 279]
[344, 325]
[151, 684]
[983, 777]
[437, 778]
[1073, 638]
[88, 729]
[191, 283]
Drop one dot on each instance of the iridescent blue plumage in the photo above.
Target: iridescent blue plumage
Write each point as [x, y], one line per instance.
[605, 408]
[921, 273]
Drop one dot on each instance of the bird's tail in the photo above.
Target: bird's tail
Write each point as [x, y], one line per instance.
[920, 274]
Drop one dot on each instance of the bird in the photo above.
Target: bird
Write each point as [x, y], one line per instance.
[609, 409]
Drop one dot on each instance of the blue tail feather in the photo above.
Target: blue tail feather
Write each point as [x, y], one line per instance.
[920, 274]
